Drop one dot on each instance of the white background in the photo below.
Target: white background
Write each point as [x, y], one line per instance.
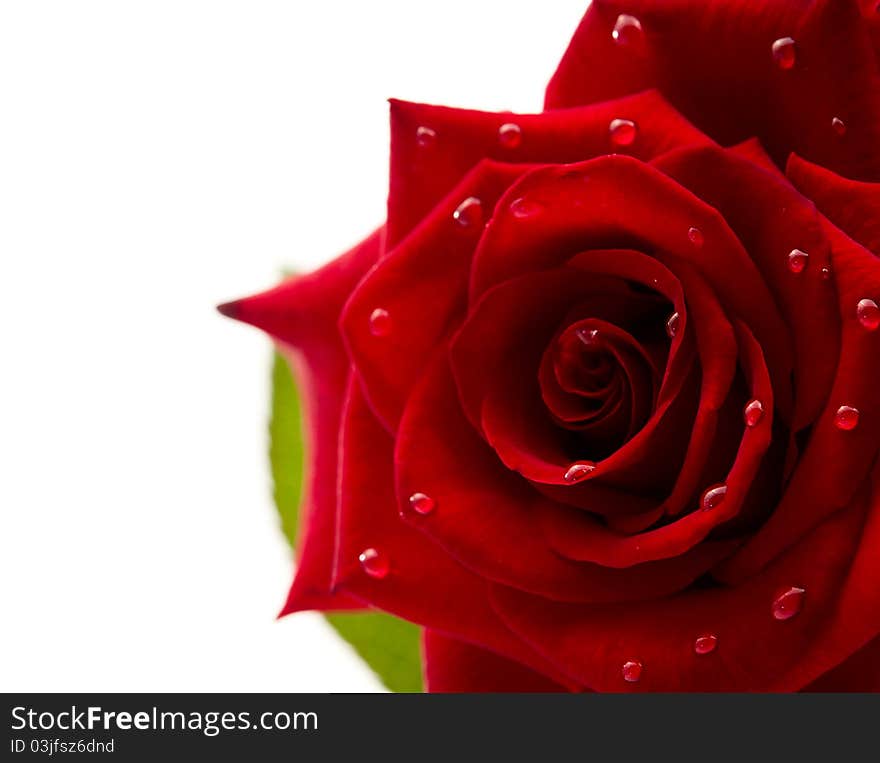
[157, 158]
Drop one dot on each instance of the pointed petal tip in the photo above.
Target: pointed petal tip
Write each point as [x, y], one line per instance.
[262, 312]
[230, 309]
[282, 613]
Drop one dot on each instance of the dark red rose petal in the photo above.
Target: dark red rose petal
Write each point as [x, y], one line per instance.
[498, 389]
[615, 202]
[853, 620]
[303, 310]
[612, 578]
[453, 666]
[713, 61]
[421, 285]
[312, 586]
[859, 673]
[419, 582]
[752, 150]
[487, 521]
[301, 315]
[423, 174]
[497, 375]
[852, 206]
[772, 219]
[585, 358]
[638, 268]
[840, 80]
[835, 463]
[871, 14]
[717, 352]
[580, 537]
[686, 47]
[496, 358]
[754, 651]
[576, 382]
[428, 183]
[522, 315]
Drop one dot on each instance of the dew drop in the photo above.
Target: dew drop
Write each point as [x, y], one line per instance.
[826, 273]
[579, 470]
[627, 29]
[509, 135]
[469, 213]
[374, 563]
[380, 322]
[706, 643]
[695, 236]
[632, 671]
[523, 208]
[622, 131]
[588, 336]
[846, 418]
[713, 497]
[839, 126]
[783, 51]
[797, 260]
[788, 604]
[422, 504]
[868, 314]
[753, 412]
[425, 137]
[672, 325]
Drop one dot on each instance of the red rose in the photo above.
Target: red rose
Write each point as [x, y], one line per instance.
[598, 405]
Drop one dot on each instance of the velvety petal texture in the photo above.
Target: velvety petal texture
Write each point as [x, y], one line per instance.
[852, 206]
[715, 62]
[434, 147]
[597, 406]
[452, 666]
[301, 315]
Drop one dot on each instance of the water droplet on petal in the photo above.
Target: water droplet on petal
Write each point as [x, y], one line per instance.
[380, 322]
[588, 336]
[868, 314]
[826, 273]
[421, 503]
[425, 137]
[627, 29]
[509, 135]
[374, 563]
[783, 51]
[579, 470]
[622, 131]
[469, 213]
[713, 497]
[838, 125]
[632, 671]
[522, 208]
[788, 604]
[706, 643]
[753, 412]
[672, 325]
[695, 235]
[797, 260]
[846, 418]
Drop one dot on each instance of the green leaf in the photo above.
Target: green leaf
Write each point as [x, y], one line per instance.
[286, 447]
[389, 645]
